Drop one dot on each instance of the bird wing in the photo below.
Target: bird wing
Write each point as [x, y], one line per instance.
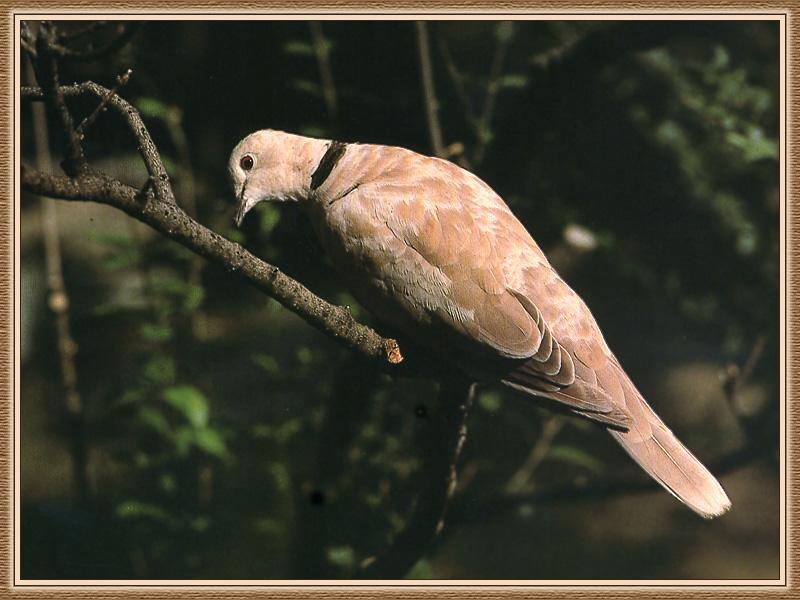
[458, 254]
[465, 240]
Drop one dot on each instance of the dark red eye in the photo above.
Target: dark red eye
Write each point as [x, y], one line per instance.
[246, 163]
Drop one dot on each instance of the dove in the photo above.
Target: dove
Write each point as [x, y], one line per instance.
[433, 251]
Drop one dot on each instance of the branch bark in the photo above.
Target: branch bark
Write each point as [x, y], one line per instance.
[155, 205]
[147, 148]
[168, 219]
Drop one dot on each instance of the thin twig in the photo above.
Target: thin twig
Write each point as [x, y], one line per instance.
[467, 512]
[447, 435]
[124, 33]
[89, 121]
[58, 302]
[431, 104]
[155, 205]
[547, 59]
[28, 47]
[75, 34]
[186, 192]
[147, 148]
[457, 79]
[522, 480]
[322, 52]
[53, 95]
[492, 88]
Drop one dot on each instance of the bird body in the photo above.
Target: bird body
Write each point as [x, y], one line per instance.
[431, 249]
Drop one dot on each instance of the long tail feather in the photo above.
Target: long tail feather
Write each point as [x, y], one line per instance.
[656, 449]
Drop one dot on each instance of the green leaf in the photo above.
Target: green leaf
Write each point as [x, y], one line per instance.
[504, 31]
[490, 401]
[267, 526]
[342, 556]
[170, 166]
[155, 333]
[132, 509]
[168, 284]
[314, 131]
[160, 369]
[123, 250]
[261, 431]
[190, 402]
[155, 420]
[183, 440]
[513, 81]
[308, 87]
[270, 216]
[267, 362]
[287, 430]
[129, 397]
[304, 355]
[575, 456]
[235, 235]
[152, 107]
[210, 441]
[167, 483]
[114, 240]
[754, 145]
[421, 570]
[122, 260]
[194, 297]
[298, 48]
[200, 524]
[280, 475]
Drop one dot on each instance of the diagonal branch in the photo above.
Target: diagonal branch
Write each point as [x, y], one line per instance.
[89, 121]
[169, 220]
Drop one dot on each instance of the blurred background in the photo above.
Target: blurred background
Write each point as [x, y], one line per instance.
[203, 431]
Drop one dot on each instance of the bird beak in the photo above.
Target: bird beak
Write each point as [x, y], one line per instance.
[242, 208]
[241, 211]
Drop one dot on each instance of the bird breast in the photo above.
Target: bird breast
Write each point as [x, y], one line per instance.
[428, 247]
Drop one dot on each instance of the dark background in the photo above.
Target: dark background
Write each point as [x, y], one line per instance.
[224, 438]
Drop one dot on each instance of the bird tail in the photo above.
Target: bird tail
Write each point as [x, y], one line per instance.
[656, 449]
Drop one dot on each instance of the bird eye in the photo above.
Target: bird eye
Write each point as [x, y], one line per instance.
[246, 163]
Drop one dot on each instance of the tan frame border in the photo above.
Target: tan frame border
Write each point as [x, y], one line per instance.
[403, 9]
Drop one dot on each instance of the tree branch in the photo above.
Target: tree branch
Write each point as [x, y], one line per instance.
[123, 32]
[52, 93]
[147, 148]
[611, 41]
[322, 52]
[492, 88]
[58, 302]
[465, 512]
[123, 79]
[446, 438]
[431, 103]
[169, 220]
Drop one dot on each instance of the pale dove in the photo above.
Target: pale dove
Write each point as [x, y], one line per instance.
[432, 250]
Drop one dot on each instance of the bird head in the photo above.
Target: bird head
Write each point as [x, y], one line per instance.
[271, 165]
[249, 172]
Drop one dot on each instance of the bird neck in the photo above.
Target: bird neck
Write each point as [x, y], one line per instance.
[301, 156]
